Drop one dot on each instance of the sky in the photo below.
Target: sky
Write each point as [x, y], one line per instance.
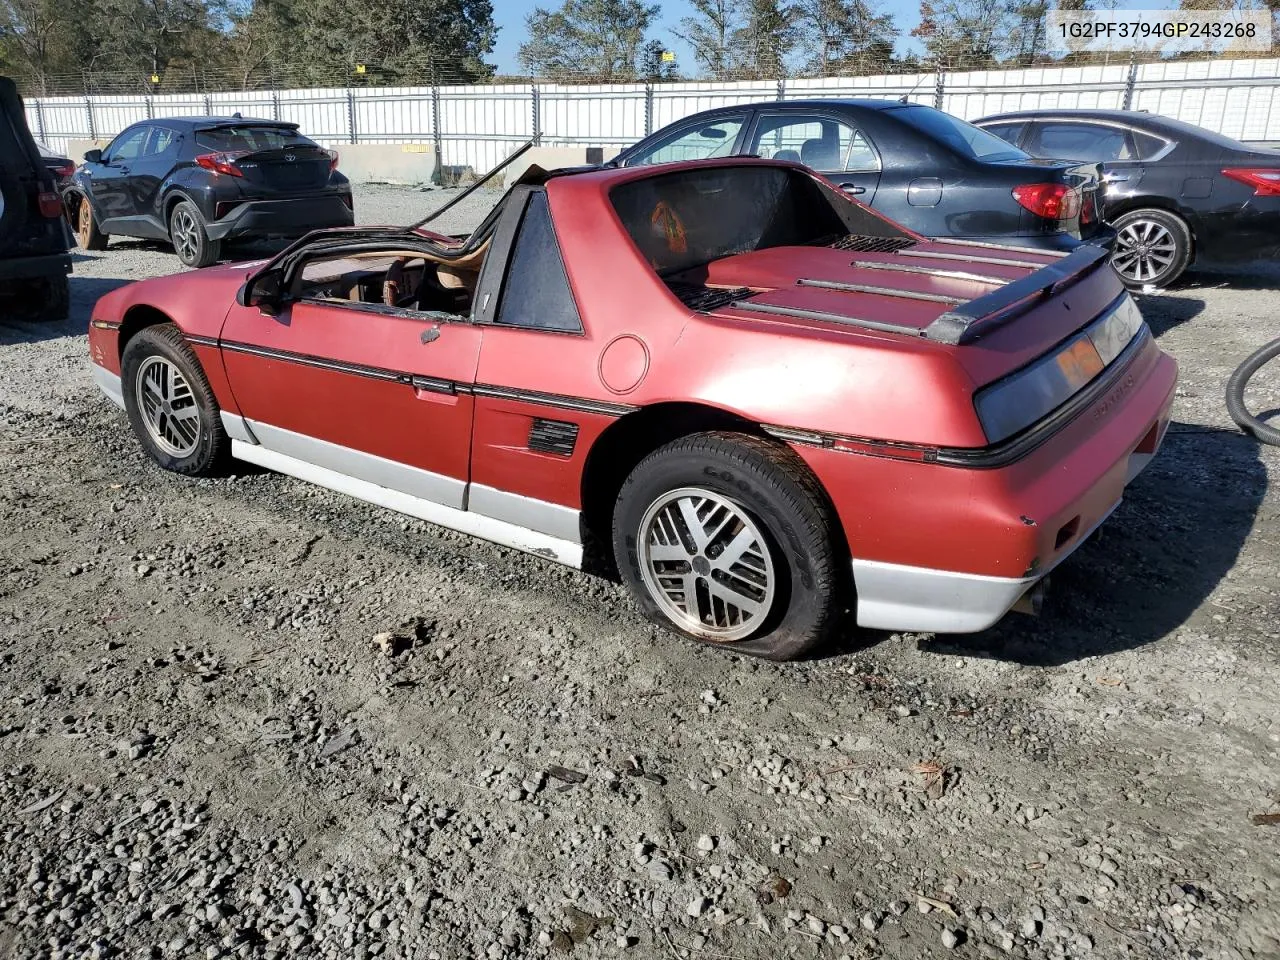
[510, 16]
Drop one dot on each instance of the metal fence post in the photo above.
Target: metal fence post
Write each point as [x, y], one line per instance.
[940, 90]
[275, 104]
[40, 120]
[436, 133]
[536, 116]
[351, 115]
[208, 106]
[150, 108]
[88, 112]
[648, 109]
[782, 88]
[1130, 83]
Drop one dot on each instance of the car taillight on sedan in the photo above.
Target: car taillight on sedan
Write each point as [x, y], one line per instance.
[1265, 182]
[50, 205]
[1053, 201]
[333, 160]
[221, 163]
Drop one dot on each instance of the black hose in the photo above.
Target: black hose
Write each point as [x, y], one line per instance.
[1235, 394]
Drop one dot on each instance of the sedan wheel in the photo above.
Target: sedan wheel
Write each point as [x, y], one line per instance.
[87, 232]
[1152, 248]
[706, 564]
[169, 410]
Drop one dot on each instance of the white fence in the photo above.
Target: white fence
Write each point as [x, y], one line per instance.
[477, 125]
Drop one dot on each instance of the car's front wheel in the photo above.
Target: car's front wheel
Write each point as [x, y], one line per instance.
[189, 237]
[727, 539]
[1152, 248]
[170, 404]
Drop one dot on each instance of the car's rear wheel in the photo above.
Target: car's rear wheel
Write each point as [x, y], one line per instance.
[170, 404]
[87, 232]
[189, 237]
[727, 539]
[1153, 248]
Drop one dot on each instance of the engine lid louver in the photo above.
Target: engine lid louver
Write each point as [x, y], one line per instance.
[553, 436]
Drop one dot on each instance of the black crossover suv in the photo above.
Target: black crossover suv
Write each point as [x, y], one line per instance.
[1174, 192]
[34, 239]
[924, 168]
[197, 181]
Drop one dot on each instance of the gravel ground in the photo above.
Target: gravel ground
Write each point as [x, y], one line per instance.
[252, 718]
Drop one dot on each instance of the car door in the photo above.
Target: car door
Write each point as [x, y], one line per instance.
[109, 182]
[1112, 146]
[149, 170]
[697, 139]
[831, 144]
[378, 393]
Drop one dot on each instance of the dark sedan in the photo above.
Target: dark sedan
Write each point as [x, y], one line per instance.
[1175, 193]
[921, 167]
[199, 181]
[62, 168]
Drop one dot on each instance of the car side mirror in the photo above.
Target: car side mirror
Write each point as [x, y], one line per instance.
[93, 156]
[262, 291]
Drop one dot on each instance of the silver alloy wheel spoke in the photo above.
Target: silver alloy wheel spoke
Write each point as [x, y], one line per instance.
[1145, 249]
[168, 407]
[706, 564]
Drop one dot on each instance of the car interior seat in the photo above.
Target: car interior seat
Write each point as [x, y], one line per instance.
[791, 155]
[820, 154]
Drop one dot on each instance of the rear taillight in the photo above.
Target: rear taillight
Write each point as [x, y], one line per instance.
[50, 205]
[65, 171]
[1053, 201]
[333, 160]
[221, 163]
[1265, 183]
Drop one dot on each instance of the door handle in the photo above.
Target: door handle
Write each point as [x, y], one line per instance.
[430, 335]
[1115, 177]
[852, 188]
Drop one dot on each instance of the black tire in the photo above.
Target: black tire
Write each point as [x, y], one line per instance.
[1236, 386]
[776, 492]
[1144, 239]
[212, 447]
[87, 233]
[190, 237]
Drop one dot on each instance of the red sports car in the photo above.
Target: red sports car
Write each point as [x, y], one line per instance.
[755, 400]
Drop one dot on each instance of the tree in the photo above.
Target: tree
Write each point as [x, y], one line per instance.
[411, 41]
[42, 38]
[600, 39]
[843, 36]
[260, 39]
[964, 33]
[710, 33]
[764, 43]
[1030, 36]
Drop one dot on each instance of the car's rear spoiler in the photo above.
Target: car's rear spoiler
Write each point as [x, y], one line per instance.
[967, 320]
[970, 320]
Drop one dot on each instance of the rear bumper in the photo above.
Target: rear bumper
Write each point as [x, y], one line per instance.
[282, 218]
[24, 268]
[951, 549]
[1103, 236]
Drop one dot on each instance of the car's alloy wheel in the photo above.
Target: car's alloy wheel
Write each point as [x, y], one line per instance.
[1152, 248]
[186, 240]
[706, 564]
[169, 409]
[171, 406]
[1144, 250]
[728, 539]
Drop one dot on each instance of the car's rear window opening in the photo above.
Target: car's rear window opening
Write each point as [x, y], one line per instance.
[962, 137]
[250, 138]
[689, 218]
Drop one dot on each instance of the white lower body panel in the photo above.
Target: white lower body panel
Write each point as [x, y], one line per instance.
[546, 530]
[892, 596]
[109, 384]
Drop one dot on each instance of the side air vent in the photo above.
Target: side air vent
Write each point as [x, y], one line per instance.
[553, 436]
[700, 298]
[862, 244]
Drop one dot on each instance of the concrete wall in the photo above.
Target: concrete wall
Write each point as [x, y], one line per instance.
[409, 163]
[552, 158]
